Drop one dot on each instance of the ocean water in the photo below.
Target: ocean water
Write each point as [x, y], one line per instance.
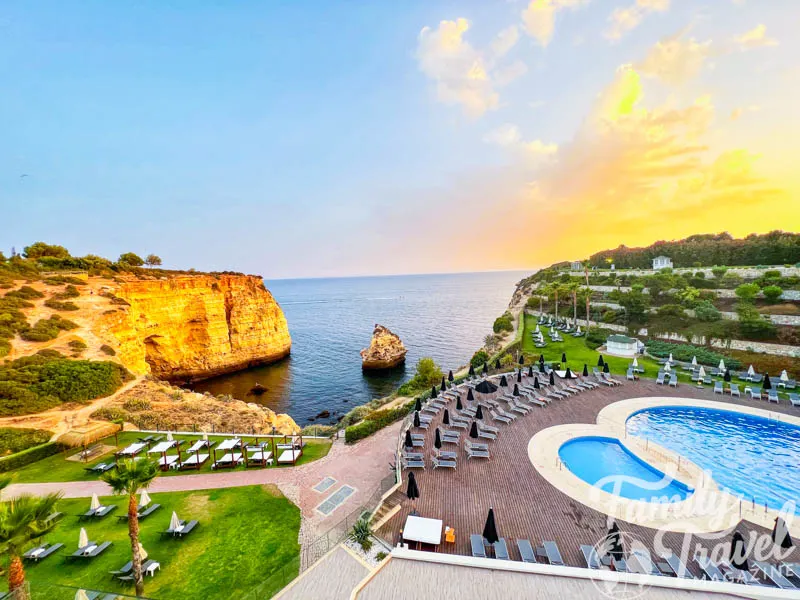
[331, 320]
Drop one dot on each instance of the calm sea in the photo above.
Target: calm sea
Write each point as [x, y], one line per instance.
[331, 320]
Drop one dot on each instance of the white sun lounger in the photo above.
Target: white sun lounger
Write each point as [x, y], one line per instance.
[289, 456]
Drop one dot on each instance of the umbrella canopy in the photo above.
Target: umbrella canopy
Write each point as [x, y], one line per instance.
[606, 369]
[784, 375]
[437, 442]
[418, 405]
[503, 381]
[95, 502]
[408, 443]
[536, 383]
[486, 387]
[522, 359]
[470, 395]
[479, 413]
[635, 362]
[751, 371]
[434, 392]
[541, 359]
[450, 376]
[490, 529]
[701, 373]
[780, 534]
[471, 371]
[585, 370]
[416, 418]
[613, 542]
[552, 378]
[578, 330]
[767, 382]
[444, 385]
[670, 357]
[81, 595]
[446, 417]
[694, 361]
[516, 390]
[721, 366]
[568, 374]
[473, 431]
[519, 376]
[412, 491]
[530, 371]
[537, 330]
[667, 368]
[83, 538]
[738, 556]
[727, 376]
[563, 357]
[459, 406]
[174, 522]
[600, 362]
[497, 363]
[142, 551]
[485, 369]
[169, 437]
[205, 436]
[144, 499]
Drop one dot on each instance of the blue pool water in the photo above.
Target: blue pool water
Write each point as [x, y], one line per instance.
[747, 455]
[604, 462]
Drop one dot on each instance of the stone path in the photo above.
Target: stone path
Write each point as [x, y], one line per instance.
[361, 466]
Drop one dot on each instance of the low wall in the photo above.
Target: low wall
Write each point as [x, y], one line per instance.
[743, 272]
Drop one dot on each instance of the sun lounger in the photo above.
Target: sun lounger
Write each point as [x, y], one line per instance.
[126, 568]
[619, 565]
[448, 464]
[429, 408]
[526, 551]
[198, 445]
[718, 387]
[755, 393]
[89, 551]
[772, 573]
[500, 418]
[47, 550]
[603, 381]
[186, 529]
[738, 575]
[639, 561]
[660, 378]
[794, 399]
[194, 461]
[792, 569]
[446, 454]
[489, 428]
[413, 455]
[591, 557]
[486, 435]
[149, 510]
[231, 459]
[478, 549]
[167, 462]
[673, 380]
[132, 449]
[710, 570]
[100, 467]
[530, 398]
[414, 464]
[676, 565]
[772, 396]
[501, 549]
[734, 389]
[550, 552]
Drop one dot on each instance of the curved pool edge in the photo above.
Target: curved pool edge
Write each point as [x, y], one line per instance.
[543, 454]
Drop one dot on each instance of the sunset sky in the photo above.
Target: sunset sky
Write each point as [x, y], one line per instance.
[301, 139]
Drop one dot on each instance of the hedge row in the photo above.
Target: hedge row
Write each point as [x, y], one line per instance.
[376, 421]
[31, 455]
[685, 352]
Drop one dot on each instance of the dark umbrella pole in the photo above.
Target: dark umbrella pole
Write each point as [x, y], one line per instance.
[479, 413]
[536, 383]
[767, 382]
[450, 377]
[434, 393]
[444, 385]
[473, 431]
[568, 374]
[470, 395]
[418, 405]
[485, 370]
[613, 544]
[552, 378]
[600, 361]
[585, 370]
[503, 381]
[471, 371]
[416, 418]
[459, 406]
[408, 442]
[519, 376]
[412, 491]
[530, 371]
[437, 442]
[516, 390]
[727, 376]
[497, 364]
[563, 357]
[490, 528]
[446, 417]
[605, 368]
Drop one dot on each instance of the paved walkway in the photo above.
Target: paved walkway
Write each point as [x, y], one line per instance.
[332, 578]
[361, 466]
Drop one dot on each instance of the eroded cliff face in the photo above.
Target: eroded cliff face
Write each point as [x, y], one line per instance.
[194, 327]
[385, 351]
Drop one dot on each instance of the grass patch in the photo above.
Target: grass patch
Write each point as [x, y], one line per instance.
[244, 535]
[15, 440]
[57, 468]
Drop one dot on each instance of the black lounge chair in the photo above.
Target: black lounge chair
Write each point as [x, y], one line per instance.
[591, 557]
[478, 549]
[501, 549]
[142, 515]
[526, 551]
[79, 553]
[640, 561]
[710, 570]
[49, 549]
[674, 566]
[550, 552]
[772, 573]
[126, 568]
[146, 565]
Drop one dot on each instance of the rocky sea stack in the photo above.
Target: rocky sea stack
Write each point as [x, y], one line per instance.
[385, 351]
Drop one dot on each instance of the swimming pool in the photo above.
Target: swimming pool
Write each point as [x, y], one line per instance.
[607, 464]
[747, 455]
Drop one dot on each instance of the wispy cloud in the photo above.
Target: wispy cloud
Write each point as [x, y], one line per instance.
[539, 17]
[627, 18]
[675, 59]
[756, 38]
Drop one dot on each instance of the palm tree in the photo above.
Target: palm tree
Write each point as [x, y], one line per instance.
[129, 477]
[23, 519]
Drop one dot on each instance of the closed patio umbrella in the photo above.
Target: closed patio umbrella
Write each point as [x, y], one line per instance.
[568, 374]
[444, 385]
[144, 500]
[516, 390]
[412, 491]
[536, 383]
[503, 381]
[486, 387]
[738, 555]
[471, 371]
[613, 543]
[767, 382]
[600, 362]
[446, 417]
[701, 373]
[667, 368]
[694, 361]
[490, 529]
[530, 370]
[784, 376]
[205, 436]
[585, 370]
[519, 376]
[521, 359]
[174, 521]
[408, 443]
[497, 363]
[418, 405]
[470, 395]
[450, 377]
[751, 371]
[83, 538]
[563, 357]
[721, 366]
[541, 359]
[169, 437]
[485, 369]
[416, 418]
[780, 534]
[437, 442]
[142, 551]
[479, 413]
[459, 406]
[552, 378]
[473, 431]
[537, 329]
[670, 357]
[727, 376]
[606, 369]
[94, 504]
[635, 362]
[81, 595]
[434, 392]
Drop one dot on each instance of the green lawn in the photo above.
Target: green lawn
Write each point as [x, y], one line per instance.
[244, 535]
[57, 468]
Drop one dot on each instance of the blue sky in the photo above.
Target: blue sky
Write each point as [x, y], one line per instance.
[301, 139]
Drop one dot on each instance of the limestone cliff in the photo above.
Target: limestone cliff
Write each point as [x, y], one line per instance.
[192, 327]
[385, 351]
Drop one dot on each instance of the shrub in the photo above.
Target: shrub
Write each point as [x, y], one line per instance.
[47, 329]
[503, 323]
[26, 457]
[747, 291]
[106, 349]
[130, 259]
[375, 421]
[685, 352]
[380, 556]
[62, 279]
[69, 292]
[77, 345]
[772, 293]
[59, 305]
[707, 312]
[428, 374]
[596, 337]
[506, 360]
[361, 534]
[110, 414]
[137, 404]
[719, 272]
[772, 274]
[26, 292]
[15, 440]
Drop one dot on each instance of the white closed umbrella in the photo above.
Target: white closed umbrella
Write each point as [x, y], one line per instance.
[694, 361]
[174, 522]
[83, 538]
[579, 329]
[784, 375]
[670, 357]
[701, 374]
[142, 552]
[144, 500]
[81, 595]
[169, 436]
[536, 330]
[205, 436]
[635, 362]
[721, 365]
[751, 371]
[95, 503]
[667, 368]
